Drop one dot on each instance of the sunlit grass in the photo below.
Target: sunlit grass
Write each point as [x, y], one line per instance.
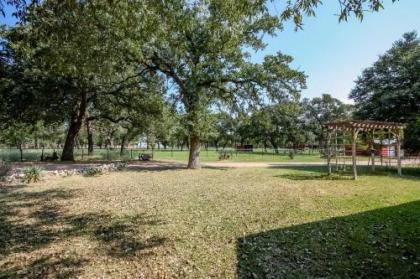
[161, 154]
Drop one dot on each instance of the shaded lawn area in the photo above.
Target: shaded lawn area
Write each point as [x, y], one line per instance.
[223, 223]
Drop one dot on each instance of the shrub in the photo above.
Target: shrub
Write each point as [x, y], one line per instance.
[32, 174]
[291, 154]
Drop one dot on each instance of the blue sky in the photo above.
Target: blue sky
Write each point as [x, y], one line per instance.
[333, 54]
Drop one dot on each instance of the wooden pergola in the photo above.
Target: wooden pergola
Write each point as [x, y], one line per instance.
[357, 126]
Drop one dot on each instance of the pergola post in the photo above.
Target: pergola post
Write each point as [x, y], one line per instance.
[336, 151]
[329, 152]
[353, 152]
[398, 137]
[372, 152]
[372, 156]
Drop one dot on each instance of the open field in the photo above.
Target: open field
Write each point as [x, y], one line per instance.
[175, 155]
[216, 222]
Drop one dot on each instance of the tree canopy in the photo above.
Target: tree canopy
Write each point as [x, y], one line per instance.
[126, 62]
[390, 89]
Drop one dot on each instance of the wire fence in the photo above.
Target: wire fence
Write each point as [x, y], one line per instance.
[209, 154]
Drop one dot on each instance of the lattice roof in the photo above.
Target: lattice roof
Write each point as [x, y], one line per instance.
[364, 125]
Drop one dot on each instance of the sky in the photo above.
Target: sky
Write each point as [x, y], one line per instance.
[334, 54]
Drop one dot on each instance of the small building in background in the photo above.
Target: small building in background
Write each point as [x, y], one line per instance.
[386, 147]
[245, 148]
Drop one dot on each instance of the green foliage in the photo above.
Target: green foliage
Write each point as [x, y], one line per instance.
[412, 135]
[291, 154]
[390, 89]
[278, 125]
[16, 135]
[32, 174]
[321, 110]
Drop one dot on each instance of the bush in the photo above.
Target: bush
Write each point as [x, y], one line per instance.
[291, 154]
[32, 174]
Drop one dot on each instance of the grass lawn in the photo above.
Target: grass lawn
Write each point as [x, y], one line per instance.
[221, 223]
[205, 156]
[213, 156]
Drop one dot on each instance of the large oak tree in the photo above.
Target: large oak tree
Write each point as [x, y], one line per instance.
[390, 89]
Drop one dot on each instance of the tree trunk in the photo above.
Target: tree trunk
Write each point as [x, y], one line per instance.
[42, 154]
[74, 128]
[194, 158]
[275, 146]
[123, 144]
[21, 152]
[89, 137]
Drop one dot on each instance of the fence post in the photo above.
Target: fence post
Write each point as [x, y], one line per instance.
[82, 153]
[131, 153]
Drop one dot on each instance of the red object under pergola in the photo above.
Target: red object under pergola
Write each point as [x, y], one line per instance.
[357, 126]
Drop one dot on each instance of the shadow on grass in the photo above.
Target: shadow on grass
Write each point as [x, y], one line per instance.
[31, 223]
[49, 266]
[157, 166]
[321, 172]
[382, 243]
[315, 176]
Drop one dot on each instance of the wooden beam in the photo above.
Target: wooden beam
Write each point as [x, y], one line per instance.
[398, 137]
[353, 152]
[372, 151]
[329, 152]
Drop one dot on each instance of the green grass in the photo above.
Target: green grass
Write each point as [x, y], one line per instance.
[221, 223]
[206, 156]
[212, 156]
